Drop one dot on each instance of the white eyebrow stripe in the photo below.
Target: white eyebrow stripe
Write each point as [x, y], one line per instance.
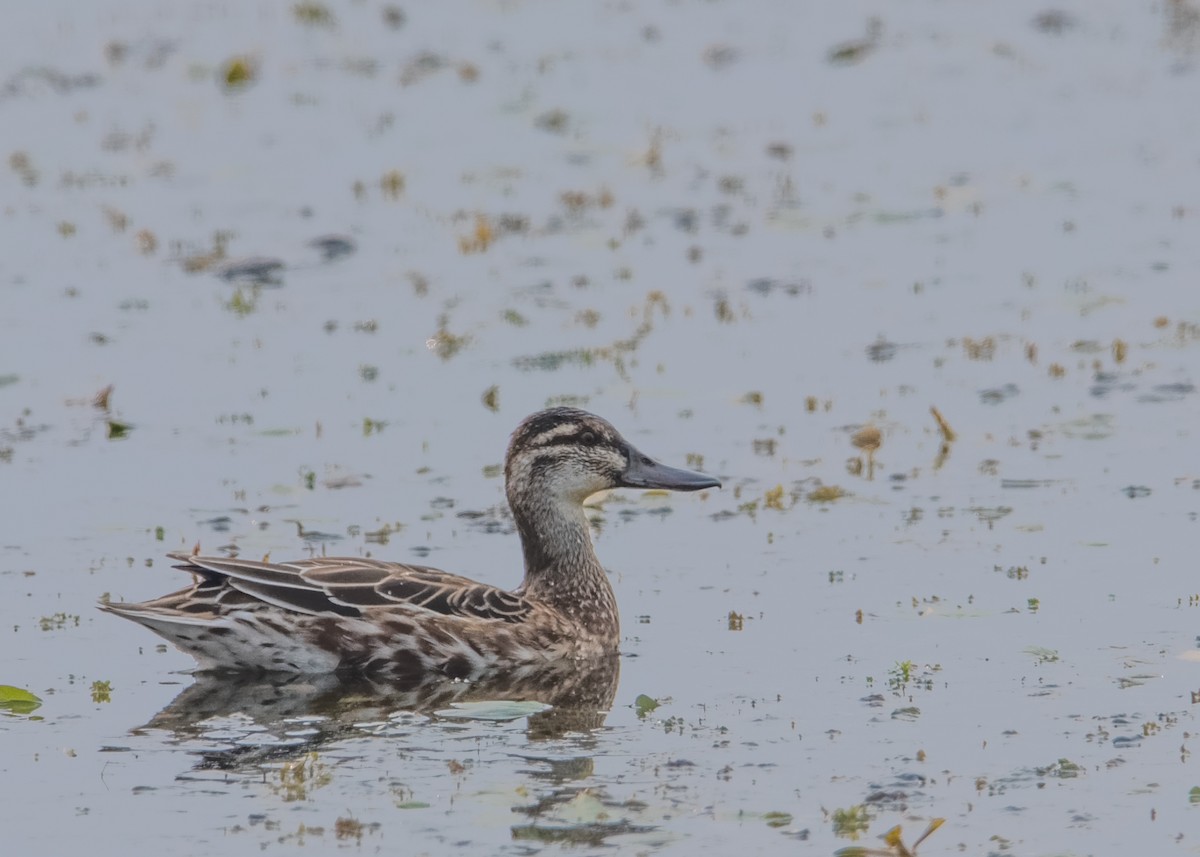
[558, 431]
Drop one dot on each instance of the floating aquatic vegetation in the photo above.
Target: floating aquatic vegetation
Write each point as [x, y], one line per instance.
[645, 705]
[480, 239]
[895, 844]
[392, 184]
[1041, 654]
[205, 259]
[22, 165]
[850, 823]
[1063, 769]
[314, 15]
[826, 494]
[16, 700]
[242, 303]
[296, 780]
[238, 73]
[382, 535]
[101, 691]
[58, 621]
[491, 398]
[444, 343]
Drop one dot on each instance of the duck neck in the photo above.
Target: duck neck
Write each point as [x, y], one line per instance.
[561, 567]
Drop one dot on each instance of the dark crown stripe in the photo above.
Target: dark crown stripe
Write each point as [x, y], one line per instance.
[573, 439]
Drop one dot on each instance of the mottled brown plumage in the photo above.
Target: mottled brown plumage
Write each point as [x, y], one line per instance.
[358, 615]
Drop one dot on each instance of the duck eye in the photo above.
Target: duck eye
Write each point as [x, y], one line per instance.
[588, 438]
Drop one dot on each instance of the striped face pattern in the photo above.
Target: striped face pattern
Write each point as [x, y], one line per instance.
[566, 453]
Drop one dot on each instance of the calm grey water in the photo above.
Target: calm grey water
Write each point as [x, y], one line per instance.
[742, 232]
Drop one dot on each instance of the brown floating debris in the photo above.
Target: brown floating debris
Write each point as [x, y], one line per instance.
[948, 433]
[392, 184]
[100, 400]
[868, 439]
[147, 243]
[1119, 350]
[826, 494]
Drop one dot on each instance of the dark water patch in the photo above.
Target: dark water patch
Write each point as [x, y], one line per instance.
[1093, 427]
[1029, 483]
[1167, 393]
[549, 361]
[881, 350]
[313, 535]
[1110, 382]
[770, 286]
[256, 270]
[997, 395]
[332, 247]
[32, 82]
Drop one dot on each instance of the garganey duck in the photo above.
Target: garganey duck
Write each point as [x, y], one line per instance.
[390, 619]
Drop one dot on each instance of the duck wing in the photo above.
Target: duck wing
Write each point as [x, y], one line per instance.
[348, 586]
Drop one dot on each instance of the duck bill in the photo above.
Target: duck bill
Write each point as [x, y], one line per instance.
[645, 472]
